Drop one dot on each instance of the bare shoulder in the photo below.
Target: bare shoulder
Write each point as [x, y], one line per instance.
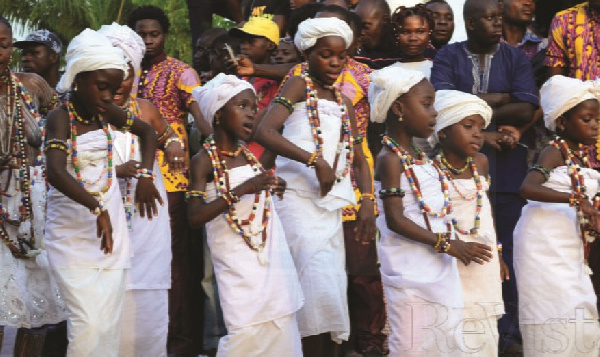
[482, 164]
[388, 165]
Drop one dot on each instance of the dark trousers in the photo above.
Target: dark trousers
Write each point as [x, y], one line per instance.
[185, 297]
[507, 210]
[365, 291]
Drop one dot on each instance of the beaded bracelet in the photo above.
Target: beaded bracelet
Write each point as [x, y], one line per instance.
[313, 159]
[140, 175]
[369, 196]
[128, 122]
[285, 102]
[358, 140]
[390, 192]
[442, 244]
[164, 135]
[56, 144]
[99, 209]
[174, 138]
[576, 198]
[541, 169]
[195, 194]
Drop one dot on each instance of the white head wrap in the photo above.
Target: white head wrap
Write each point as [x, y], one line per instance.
[129, 41]
[90, 51]
[310, 30]
[560, 93]
[217, 92]
[453, 106]
[387, 84]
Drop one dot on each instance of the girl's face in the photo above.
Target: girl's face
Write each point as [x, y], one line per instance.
[237, 116]
[285, 53]
[413, 37]
[327, 58]
[464, 138]
[417, 111]
[96, 89]
[125, 91]
[6, 47]
[581, 123]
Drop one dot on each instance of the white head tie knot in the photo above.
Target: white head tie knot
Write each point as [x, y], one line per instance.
[387, 84]
[309, 31]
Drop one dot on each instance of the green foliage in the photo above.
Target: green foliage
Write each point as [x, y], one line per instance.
[67, 18]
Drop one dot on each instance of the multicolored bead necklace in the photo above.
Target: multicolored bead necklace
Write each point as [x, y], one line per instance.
[132, 109]
[440, 159]
[222, 187]
[407, 163]
[109, 162]
[452, 169]
[346, 139]
[578, 186]
[23, 246]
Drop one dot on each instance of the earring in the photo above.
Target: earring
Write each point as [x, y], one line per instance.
[75, 88]
[400, 118]
[217, 121]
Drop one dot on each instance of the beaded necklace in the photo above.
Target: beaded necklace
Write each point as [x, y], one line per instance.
[133, 110]
[478, 183]
[222, 186]
[452, 169]
[76, 116]
[407, 163]
[578, 186]
[109, 163]
[346, 139]
[23, 246]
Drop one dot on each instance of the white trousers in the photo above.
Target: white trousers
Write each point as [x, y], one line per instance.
[94, 300]
[275, 338]
[564, 338]
[144, 323]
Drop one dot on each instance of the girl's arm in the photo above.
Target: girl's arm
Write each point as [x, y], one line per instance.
[366, 230]
[389, 169]
[145, 193]
[57, 127]
[268, 134]
[152, 116]
[199, 211]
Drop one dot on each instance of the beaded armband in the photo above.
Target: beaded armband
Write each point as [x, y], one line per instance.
[390, 192]
[128, 122]
[174, 138]
[285, 102]
[541, 169]
[99, 209]
[442, 245]
[164, 135]
[313, 159]
[195, 194]
[358, 140]
[369, 196]
[56, 144]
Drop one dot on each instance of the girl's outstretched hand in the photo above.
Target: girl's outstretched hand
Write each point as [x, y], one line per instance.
[104, 231]
[145, 196]
[470, 251]
[325, 175]
[504, 273]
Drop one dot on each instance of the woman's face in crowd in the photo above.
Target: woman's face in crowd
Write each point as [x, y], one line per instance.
[124, 92]
[413, 37]
[327, 58]
[6, 47]
[96, 89]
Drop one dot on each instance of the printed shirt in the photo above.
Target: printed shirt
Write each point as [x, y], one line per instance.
[168, 83]
[574, 42]
[354, 83]
[531, 44]
[266, 90]
[506, 70]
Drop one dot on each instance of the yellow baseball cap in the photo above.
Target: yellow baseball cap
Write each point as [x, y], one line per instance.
[258, 26]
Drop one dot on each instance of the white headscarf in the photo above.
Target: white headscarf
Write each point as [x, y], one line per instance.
[560, 93]
[387, 84]
[217, 92]
[453, 106]
[90, 51]
[310, 30]
[129, 41]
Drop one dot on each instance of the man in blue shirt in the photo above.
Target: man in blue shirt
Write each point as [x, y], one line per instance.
[502, 76]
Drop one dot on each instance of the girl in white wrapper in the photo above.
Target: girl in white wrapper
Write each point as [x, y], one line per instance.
[89, 249]
[561, 218]
[459, 131]
[316, 151]
[418, 245]
[230, 192]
